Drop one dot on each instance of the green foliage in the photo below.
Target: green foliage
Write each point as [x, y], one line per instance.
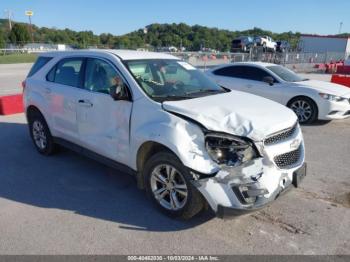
[193, 38]
[19, 34]
[2, 39]
[17, 58]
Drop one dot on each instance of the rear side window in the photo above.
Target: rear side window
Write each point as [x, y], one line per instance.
[39, 63]
[67, 72]
[230, 71]
[244, 72]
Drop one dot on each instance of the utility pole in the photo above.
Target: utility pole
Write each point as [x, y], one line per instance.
[30, 14]
[340, 27]
[9, 14]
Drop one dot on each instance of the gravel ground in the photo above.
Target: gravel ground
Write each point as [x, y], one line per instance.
[67, 204]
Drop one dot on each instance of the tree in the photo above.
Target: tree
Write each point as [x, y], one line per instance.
[19, 34]
[2, 39]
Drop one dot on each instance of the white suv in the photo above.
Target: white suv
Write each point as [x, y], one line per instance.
[188, 141]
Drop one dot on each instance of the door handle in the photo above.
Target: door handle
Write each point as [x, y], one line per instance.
[85, 103]
[48, 90]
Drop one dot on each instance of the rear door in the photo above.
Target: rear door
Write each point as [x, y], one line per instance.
[103, 123]
[232, 77]
[63, 83]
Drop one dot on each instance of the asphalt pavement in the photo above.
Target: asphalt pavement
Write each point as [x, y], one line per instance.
[68, 204]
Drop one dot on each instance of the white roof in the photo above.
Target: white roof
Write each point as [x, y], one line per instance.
[257, 64]
[254, 63]
[122, 54]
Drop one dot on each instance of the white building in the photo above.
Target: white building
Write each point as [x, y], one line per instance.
[322, 44]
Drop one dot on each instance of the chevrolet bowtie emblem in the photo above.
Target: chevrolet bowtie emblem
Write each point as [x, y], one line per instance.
[295, 144]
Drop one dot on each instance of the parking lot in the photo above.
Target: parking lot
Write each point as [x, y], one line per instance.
[68, 204]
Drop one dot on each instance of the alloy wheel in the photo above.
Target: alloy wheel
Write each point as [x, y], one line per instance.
[39, 135]
[302, 109]
[169, 187]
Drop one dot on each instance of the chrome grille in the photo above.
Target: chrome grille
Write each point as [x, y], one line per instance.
[281, 136]
[288, 160]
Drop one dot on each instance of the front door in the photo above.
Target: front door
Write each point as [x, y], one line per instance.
[103, 123]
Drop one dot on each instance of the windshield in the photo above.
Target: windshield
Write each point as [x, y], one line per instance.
[164, 80]
[285, 74]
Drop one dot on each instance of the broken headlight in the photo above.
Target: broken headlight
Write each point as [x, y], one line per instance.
[229, 150]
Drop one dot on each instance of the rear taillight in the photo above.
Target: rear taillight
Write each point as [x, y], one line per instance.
[24, 84]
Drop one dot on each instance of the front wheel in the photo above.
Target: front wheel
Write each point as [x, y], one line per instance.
[168, 184]
[305, 109]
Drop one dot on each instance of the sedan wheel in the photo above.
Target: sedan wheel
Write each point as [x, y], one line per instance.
[169, 187]
[305, 109]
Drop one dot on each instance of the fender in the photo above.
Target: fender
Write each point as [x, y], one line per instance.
[185, 139]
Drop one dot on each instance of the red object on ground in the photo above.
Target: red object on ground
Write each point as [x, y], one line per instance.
[341, 80]
[343, 70]
[12, 104]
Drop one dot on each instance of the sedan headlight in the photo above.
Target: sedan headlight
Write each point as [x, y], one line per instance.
[229, 150]
[330, 97]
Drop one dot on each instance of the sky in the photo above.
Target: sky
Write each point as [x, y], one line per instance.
[123, 16]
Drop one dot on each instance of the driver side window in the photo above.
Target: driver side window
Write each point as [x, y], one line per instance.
[100, 76]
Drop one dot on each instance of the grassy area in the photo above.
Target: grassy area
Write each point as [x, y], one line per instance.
[17, 58]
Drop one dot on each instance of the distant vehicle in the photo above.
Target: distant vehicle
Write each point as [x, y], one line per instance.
[309, 99]
[171, 49]
[282, 46]
[209, 50]
[266, 42]
[242, 44]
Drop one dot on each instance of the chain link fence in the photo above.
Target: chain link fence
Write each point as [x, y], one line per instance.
[299, 61]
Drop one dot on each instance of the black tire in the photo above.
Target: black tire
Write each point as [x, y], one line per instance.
[48, 148]
[309, 103]
[194, 200]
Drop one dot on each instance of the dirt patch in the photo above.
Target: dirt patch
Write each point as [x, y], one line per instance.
[275, 220]
[342, 199]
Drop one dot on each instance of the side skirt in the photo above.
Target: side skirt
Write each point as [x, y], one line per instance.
[92, 155]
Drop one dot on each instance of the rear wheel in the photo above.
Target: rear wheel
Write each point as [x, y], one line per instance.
[40, 134]
[305, 109]
[168, 184]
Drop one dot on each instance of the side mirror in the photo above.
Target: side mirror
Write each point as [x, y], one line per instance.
[119, 92]
[269, 80]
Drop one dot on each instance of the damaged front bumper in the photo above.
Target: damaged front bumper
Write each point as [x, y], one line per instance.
[240, 190]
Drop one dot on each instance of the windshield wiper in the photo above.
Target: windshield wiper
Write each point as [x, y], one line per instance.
[203, 91]
[172, 97]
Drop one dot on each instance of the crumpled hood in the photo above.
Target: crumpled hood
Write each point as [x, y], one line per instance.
[236, 113]
[325, 87]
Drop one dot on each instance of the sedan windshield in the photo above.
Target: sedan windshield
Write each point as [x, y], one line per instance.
[285, 74]
[164, 80]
